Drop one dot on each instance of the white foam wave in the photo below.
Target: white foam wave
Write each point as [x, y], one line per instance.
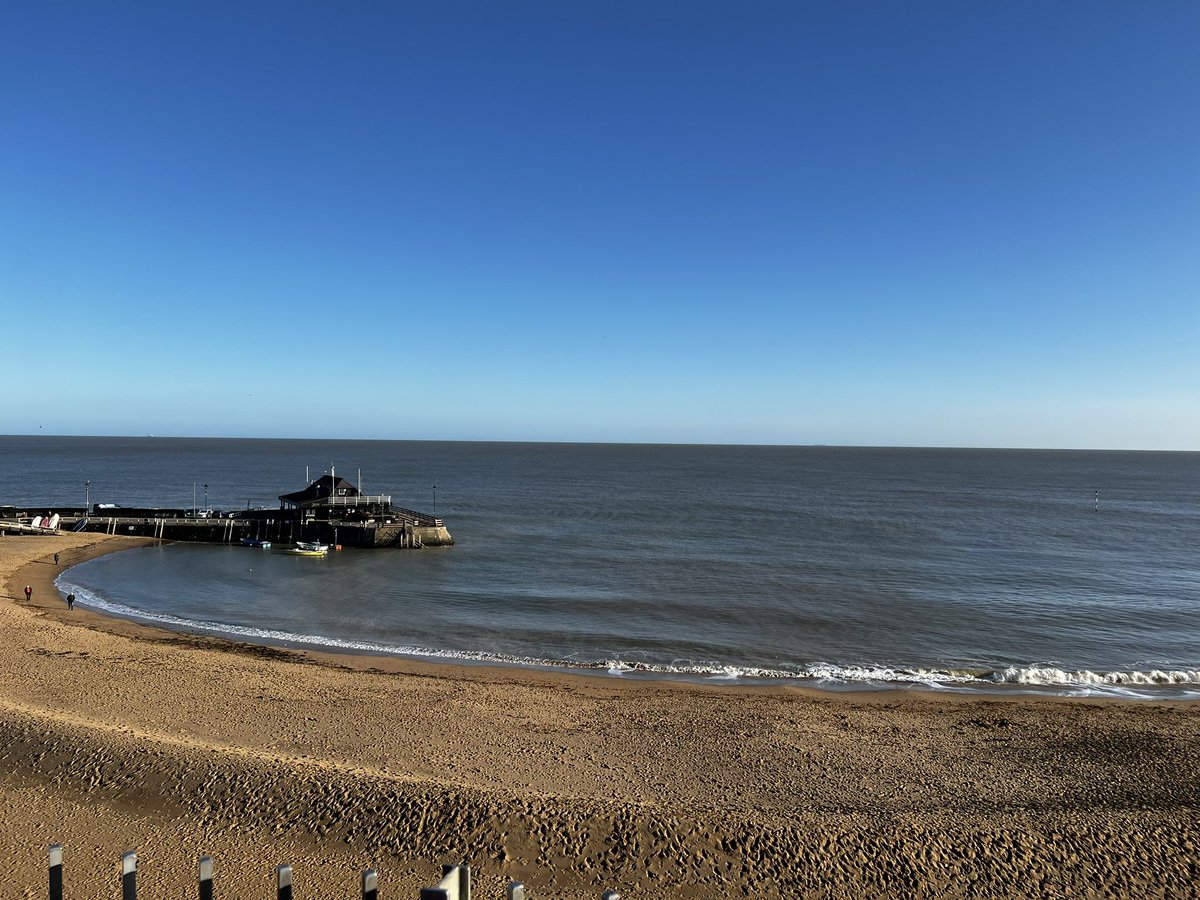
[1044, 678]
[1053, 676]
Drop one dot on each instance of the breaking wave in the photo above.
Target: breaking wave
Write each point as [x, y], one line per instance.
[1154, 684]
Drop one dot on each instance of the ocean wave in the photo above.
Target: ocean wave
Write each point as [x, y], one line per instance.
[1132, 684]
[1053, 676]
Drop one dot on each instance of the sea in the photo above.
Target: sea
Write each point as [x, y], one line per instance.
[838, 568]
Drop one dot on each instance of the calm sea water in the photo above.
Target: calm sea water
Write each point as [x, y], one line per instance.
[973, 570]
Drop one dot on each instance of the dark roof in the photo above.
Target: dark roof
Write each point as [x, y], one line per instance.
[325, 486]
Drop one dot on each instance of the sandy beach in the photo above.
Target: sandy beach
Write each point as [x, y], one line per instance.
[115, 736]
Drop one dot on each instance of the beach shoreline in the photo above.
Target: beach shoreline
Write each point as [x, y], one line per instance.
[120, 734]
[923, 683]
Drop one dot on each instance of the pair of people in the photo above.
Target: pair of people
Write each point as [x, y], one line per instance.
[29, 596]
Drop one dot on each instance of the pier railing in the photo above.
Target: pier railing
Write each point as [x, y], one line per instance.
[383, 500]
[418, 518]
[454, 885]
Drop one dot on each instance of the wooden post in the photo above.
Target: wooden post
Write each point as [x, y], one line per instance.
[56, 872]
[464, 881]
[206, 878]
[283, 882]
[455, 885]
[129, 876]
[516, 891]
[370, 885]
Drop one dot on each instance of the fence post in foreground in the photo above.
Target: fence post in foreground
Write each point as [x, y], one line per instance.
[370, 885]
[516, 891]
[455, 885]
[56, 872]
[283, 882]
[129, 876]
[206, 879]
[464, 880]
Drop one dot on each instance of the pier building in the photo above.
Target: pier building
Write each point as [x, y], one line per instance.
[330, 510]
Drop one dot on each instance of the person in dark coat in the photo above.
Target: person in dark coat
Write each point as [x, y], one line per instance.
[28, 593]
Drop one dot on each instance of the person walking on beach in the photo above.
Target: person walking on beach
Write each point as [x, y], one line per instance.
[28, 593]
[56, 559]
[70, 601]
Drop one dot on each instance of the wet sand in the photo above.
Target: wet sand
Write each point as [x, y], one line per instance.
[115, 736]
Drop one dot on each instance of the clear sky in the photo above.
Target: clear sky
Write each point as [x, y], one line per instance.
[895, 222]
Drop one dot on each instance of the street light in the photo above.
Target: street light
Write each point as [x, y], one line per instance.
[206, 498]
[435, 499]
[87, 496]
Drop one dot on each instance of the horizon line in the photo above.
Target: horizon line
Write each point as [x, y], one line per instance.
[646, 443]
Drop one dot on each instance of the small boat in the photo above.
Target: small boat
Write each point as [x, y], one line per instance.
[253, 542]
[308, 548]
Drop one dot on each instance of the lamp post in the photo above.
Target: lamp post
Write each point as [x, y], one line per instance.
[87, 497]
[206, 498]
[435, 499]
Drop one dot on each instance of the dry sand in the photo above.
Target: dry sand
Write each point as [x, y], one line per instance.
[115, 737]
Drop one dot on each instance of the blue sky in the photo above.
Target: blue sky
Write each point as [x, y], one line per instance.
[892, 223]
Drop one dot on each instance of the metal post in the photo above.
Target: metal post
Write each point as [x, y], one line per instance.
[283, 882]
[87, 497]
[516, 891]
[610, 895]
[56, 872]
[129, 876]
[435, 500]
[370, 885]
[206, 878]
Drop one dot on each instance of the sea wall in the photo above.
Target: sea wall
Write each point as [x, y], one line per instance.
[407, 536]
[433, 535]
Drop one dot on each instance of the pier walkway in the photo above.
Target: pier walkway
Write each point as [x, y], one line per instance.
[408, 529]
